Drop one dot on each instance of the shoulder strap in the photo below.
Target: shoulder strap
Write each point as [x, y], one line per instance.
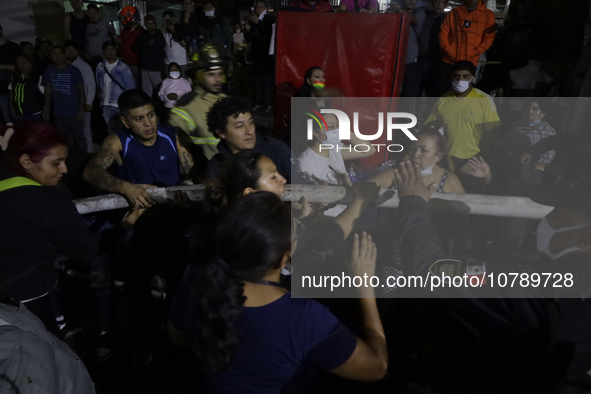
[113, 79]
[17, 181]
[442, 181]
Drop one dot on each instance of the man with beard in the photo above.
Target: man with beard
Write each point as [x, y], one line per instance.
[191, 110]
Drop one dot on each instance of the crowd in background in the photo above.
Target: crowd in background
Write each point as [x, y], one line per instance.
[186, 295]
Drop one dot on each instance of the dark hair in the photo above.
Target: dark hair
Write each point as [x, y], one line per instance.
[218, 114]
[250, 240]
[173, 64]
[433, 132]
[261, 1]
[22, 55]
[36, 139]
[169, 13]
[73, 44]
[309, 73]
[92, 6]
[132, 99]
[239, 172]
[109, 43]
[542, 104]
[464, 65]
[24, 43]
[56, 46]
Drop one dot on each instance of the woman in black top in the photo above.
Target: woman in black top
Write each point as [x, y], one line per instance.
[39, 223]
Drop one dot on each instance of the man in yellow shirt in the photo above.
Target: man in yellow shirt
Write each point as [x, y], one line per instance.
[468, 115]
[190, 113]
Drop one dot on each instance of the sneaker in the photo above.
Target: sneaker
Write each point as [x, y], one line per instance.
[269, 109]
[104, 347]
[257, 108]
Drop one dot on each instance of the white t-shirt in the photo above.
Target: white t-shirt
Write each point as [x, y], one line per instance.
[175, 53]
[319, 167]
[239, 38]
[107, 82]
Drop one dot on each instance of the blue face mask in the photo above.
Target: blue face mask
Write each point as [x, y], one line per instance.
[537, 122]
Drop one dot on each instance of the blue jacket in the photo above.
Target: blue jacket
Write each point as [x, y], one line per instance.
[121, 73]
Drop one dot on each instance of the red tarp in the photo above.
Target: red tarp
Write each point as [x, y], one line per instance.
[363, 55]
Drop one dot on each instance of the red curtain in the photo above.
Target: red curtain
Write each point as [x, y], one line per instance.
[363, 55]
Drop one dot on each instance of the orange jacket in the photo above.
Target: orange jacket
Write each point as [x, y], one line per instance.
[467, 35]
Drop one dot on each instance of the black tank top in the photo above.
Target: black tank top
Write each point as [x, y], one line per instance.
[78, 31]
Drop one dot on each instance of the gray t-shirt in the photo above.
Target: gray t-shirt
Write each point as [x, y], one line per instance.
[96, 34]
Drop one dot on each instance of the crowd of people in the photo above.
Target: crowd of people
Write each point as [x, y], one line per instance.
[210, 279]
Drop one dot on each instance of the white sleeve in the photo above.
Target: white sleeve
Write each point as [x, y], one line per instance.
[90, 85]
[40, 85]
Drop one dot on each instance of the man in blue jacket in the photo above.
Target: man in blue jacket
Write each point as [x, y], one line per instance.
[113, 78]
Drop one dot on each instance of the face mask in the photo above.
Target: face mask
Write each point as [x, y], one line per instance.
[238, 31]
[209, 13]
[428, 170]
[332, 137]
[318, 85]
[175, 74]
[461, 86]
[545, 232]
[537, 122]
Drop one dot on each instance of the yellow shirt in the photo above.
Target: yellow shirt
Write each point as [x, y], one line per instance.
[465, 120]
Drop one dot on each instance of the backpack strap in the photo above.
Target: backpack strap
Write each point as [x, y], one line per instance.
[113, 79]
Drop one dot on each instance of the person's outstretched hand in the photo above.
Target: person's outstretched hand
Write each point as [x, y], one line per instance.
[363, 259]
[480, 168]
[525, 158]
[410, 182]
[132, 215]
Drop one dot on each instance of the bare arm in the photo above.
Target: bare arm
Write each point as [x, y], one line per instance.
[365, 193]
[96, 170]
[369, 360]
[185, 157]
[96, 173]
[453, 185]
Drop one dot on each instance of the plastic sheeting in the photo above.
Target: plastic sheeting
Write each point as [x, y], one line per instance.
[363, 55]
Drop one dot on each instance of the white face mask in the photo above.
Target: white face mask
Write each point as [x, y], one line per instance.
[428, 170]
[209, 13]
[238, 31]
[175, 74]
[332, 137]
[461, 86]
[545, 232]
